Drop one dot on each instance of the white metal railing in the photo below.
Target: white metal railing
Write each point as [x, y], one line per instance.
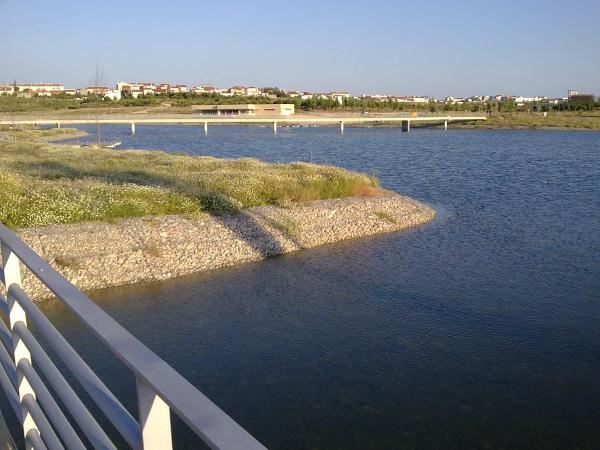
[160, 388]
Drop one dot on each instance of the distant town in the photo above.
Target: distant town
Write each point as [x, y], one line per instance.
[135, 90]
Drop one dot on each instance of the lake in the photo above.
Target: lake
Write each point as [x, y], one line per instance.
[478, 330]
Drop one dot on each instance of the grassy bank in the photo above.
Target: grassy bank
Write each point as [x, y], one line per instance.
[43, 184]
[562, 120]
[31, 134]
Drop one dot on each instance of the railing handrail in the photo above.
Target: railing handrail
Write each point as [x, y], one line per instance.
[249, 120]
[206, 419]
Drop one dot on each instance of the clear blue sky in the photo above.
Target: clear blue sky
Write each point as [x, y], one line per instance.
[438, 48]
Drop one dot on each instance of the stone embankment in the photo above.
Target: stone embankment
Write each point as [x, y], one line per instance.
[97, 255]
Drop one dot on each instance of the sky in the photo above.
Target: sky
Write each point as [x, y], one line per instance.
[436, 48]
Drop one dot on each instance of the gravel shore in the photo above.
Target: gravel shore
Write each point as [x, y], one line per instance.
[95, 255]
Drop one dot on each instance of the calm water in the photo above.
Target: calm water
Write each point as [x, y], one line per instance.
[479, 330]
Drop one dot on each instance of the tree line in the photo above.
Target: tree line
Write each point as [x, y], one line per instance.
[62, 101]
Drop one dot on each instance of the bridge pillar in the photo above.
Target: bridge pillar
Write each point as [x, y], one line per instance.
[57, 124]
[205, 128]
[274, 127]
[406, 126]
[342, 127]
[445, 125]
[133, 128]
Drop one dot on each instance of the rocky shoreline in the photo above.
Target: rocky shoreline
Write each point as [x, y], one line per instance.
[96, 255]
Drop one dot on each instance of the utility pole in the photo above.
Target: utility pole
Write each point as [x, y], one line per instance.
[97, 81]
[12, 113]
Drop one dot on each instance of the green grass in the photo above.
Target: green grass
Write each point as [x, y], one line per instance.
[577, 120]
[12, 104]
[31, 134]
[43, 184]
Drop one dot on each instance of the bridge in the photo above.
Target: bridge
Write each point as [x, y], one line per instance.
[405, 121]
[51, 413]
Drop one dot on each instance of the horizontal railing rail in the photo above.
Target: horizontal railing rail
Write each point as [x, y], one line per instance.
[245, 120]
[160, 389]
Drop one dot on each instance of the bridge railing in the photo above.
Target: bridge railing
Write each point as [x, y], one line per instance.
[40, 405]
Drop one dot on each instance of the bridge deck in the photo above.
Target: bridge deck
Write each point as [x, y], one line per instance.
[242, 120]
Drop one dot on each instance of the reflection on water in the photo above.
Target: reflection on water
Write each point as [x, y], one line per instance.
[479, 330]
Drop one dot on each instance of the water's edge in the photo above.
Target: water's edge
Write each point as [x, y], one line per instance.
[97, 255]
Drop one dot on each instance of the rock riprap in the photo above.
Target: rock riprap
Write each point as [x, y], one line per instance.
[95, 255]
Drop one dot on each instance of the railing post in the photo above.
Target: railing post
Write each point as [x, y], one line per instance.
[154, 417]
[12, 276]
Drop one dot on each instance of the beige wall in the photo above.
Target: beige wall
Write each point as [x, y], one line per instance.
[246, 110]
[283, 109]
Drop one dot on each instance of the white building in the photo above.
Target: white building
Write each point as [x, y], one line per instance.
[253, 91]
[237, 90]
[520, 99]
[136, 89]
[179, 88]
[113, 94]
[339, 96]
[205, 90]
[456, 100]
[479, 98]
[414, 99]
[379, 97]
